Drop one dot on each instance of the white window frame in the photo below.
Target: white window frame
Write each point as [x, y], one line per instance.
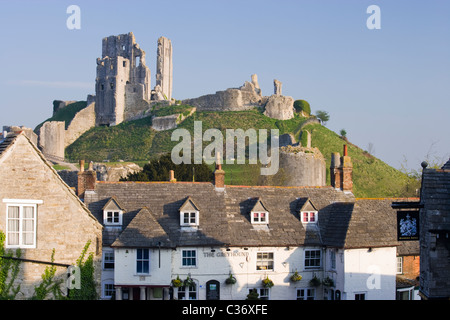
[362, 294]
[110, 253]
[107, 283]
[400, 265]
[190, 223]
[112, 223]
[320, 259]
[187, 291]
[261, 262]
[258, 218]
[305, 294]
[195, 259]
[22, 203]
[142, 260]
[308, 218]
[263, 293]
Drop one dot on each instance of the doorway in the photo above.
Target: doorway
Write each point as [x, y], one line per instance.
[213, 290]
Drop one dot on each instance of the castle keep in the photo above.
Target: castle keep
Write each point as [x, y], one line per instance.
[123, 79]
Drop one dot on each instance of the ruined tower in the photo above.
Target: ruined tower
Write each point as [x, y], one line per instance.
[121, 71]
[164, 68]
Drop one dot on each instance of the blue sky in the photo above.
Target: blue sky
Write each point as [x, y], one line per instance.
[388, 87]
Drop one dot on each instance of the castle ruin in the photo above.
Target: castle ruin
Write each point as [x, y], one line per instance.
[123, 80]
[120, 71]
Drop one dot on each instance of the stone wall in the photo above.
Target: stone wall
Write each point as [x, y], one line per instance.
[164, 67]
[52, 138]
[279, 107]
[82, 122]
[247, 97]
[63, 222]
[302, 166]
[122, 64]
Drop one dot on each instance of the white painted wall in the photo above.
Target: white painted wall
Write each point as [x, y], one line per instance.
[356, 271]
[125, 268]
[241, 263]
[370, 272]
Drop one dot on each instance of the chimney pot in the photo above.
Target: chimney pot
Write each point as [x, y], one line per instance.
[219, 174]
[345, 150]
[81, 165]
[172, 176]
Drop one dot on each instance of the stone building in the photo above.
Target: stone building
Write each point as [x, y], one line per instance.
[434, 217]
[223, 241]
[39, 213]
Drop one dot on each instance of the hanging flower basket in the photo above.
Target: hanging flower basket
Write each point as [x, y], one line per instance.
[267, 283]
[189, 282]
[230, 280]
[296, 277]
[314, 282]
[177, 282]
[328, 282]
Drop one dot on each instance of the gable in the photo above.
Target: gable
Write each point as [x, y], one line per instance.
[113, 205]
[188, 205]
[143, 231]
[259, 206]
[29, 174]
[308, 206]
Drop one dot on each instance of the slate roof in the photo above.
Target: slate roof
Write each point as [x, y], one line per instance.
[435, 196]
[151, 216]
[7, 142]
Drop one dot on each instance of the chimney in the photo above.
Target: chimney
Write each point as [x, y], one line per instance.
[219, 174]
[335, 173]
[341, 171]
[347, 171]
[172, 176]
[86, 179]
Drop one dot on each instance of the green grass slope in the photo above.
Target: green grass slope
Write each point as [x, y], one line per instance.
[137, 141]
[65, 114]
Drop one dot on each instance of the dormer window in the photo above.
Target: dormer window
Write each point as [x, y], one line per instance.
[259, 214]
[260, 217]
[189, 214]
[308, 212]
[113, 217]
[309, 216]
[112, 213]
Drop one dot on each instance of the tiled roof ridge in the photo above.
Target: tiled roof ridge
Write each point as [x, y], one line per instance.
[391, 198]
[203, 182]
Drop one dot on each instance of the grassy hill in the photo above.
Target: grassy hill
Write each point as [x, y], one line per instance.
[137, 141]
[65, 114]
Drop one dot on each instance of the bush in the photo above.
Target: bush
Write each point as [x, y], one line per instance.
[302, 105]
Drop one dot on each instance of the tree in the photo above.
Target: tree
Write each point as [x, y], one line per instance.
[323, 116]
[302, 105]
[343, 133]
[158, 170]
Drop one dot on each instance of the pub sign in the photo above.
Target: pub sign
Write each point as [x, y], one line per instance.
[407, 225]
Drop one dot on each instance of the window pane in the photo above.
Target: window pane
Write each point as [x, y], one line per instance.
[305, 216]
[312, 217]
[13, 226]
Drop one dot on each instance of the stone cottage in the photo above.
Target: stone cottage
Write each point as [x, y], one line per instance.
[39, 213]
